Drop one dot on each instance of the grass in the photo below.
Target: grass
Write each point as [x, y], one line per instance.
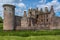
[49, 37]
[1, 26]
[29, 34]
[26, 33]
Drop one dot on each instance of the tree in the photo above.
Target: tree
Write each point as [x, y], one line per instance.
[1, 20]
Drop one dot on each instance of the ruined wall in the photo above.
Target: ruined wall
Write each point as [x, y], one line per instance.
[36, 19]
[18, 22]
[57, 22]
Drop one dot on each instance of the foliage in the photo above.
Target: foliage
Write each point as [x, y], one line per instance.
[1, 20]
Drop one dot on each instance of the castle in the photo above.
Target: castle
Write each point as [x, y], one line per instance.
[35, 20]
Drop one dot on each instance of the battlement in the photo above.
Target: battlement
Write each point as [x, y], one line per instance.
[46, 10]
[9, 5]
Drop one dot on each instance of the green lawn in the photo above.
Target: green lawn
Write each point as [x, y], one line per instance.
[29, 34]
[30, 38]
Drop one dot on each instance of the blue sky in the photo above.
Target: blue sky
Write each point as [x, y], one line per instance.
[22, 5]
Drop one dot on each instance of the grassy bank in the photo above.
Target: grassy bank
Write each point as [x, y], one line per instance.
[30, 38]
[26, 33]
[29, 34]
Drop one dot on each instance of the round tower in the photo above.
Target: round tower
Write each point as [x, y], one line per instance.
[9, 16]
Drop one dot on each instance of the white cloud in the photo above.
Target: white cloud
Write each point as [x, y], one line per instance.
[12, 2]
[22, 5]
[55, 4]
[20, 9]
[20, 0]
[7, 1]
[42, 1]
[19, 12]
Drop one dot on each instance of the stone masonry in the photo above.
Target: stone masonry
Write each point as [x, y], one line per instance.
[35, 20]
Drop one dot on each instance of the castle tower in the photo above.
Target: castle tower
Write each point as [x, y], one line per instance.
[30, 16]
[33, 13]
[46, 10]
[24, 22]
[41, 10]
[52, 17]
[9, 12]
[52, 11]
[36, 11]
[29, 13]
[51, 8]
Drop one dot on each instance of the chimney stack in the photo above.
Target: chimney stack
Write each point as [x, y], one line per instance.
[52, 10]
[41, 10]
[46, 9]
[25, 14]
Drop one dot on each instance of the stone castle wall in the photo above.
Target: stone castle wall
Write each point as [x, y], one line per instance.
[9, 13]
[35, 20]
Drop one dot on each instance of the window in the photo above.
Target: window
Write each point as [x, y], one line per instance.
[4, 8]
[41, 20]
[30, 12]
[29, 23]
[41, 16]
[47, 15]
[37, 16]
[47, 20]
[10, 14]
